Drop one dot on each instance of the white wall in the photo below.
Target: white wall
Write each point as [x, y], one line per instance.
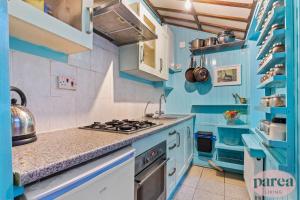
[101, 94]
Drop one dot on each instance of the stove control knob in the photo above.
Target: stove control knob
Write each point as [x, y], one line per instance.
[146, 160]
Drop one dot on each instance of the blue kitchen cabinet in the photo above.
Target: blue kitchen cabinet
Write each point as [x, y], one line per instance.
[189, 141]
[33, 25]
[180, 154]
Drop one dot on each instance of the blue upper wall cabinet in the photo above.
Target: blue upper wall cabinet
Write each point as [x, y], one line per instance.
[68, 30]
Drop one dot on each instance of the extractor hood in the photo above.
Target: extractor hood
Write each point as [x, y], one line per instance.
[113, 20]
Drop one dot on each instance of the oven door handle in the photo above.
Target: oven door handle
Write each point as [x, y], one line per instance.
[140, 182]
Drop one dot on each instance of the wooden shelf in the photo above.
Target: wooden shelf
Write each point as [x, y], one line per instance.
[226, 126]
[273, 59]
[173, 70]
[229, 147]
[276, 36]
[218, 48]
[252, 145]
[267, 8]
[221, 105]
[228, 165]
[272, 110]
[267, 141]
[276, 16]
[273, 82]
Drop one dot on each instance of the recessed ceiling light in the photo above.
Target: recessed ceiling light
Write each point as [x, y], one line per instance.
[188, 4]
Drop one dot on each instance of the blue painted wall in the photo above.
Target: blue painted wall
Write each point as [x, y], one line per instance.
[184, 95]
[187, 94]
[6, 178]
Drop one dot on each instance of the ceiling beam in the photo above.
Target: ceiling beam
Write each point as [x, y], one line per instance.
[239, 19]
[152, 7]
[250, 18]
[225, 3]
[184, 26]
[223, 27]
[196, 17]
[179, 19]
[205, 23]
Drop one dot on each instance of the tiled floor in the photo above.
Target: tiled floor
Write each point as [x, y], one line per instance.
[208, 184]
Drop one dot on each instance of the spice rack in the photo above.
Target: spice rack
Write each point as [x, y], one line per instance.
[275, 27]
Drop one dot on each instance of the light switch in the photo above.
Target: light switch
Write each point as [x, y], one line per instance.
[66, 83]
[182, 44]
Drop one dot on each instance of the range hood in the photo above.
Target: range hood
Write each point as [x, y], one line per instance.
[114, 21]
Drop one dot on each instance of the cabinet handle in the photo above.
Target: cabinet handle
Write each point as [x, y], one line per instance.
[178, 139]
[172, 147]
[172, 133]
[173, 172]
[189, 131]
[142, 54]
[90, 26]
[160, 64]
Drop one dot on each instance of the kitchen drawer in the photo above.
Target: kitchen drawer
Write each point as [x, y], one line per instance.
[171, 175]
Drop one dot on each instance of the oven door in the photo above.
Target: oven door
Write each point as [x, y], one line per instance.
[150, 184]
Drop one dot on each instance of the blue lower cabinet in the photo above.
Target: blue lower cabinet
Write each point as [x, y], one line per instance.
[180, 154]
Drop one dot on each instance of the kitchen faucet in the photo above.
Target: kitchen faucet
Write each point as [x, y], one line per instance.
[161, 96]
[145, 111]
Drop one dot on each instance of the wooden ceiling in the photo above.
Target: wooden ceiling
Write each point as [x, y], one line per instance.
[211, 16]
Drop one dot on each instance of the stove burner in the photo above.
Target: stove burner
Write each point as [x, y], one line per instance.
[121, 126]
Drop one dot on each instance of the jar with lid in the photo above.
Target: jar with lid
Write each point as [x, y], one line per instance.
[265, 101]
[279, 69]
[277, 26]
[277, 100]
[272, 72]
[278, 47]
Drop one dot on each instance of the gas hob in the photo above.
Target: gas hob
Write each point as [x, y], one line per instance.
[121, 126]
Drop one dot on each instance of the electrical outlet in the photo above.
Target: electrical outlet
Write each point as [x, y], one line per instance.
[66, 83]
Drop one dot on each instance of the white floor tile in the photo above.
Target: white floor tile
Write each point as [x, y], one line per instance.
[236, 192]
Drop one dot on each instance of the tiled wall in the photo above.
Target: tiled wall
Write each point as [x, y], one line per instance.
[101, 94]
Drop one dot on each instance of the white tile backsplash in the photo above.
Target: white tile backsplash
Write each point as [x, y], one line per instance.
[101, 94]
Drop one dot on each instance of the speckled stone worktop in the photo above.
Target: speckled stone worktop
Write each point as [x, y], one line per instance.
[59, 150]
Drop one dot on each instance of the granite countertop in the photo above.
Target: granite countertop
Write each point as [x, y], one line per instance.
[59, 150]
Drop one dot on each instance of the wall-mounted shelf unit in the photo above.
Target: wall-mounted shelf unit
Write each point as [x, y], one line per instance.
[220, 105]
[252, 145]
[229, 147]
[276, 36]
[281, 153]
[273, 82]
[272, 110]
[173, 70]
[277, 16]
[218, 48]
[276, 58]
[265, 11]
[269, 142]
[226, 126]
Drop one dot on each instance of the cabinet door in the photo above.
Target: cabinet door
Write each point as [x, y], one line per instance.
[180, 162]
[68, 32]
[163, 48]
[188, 144]
[104, 187]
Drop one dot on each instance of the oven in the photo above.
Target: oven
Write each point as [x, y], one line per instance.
[150, 174]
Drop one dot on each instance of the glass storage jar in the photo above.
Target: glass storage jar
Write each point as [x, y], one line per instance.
[277, 101]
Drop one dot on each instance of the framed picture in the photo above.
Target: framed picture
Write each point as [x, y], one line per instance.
[227, 75]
